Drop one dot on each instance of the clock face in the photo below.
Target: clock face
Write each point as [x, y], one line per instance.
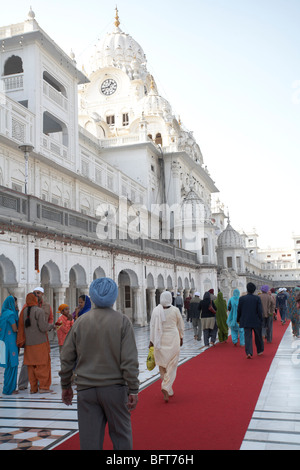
[108, 87]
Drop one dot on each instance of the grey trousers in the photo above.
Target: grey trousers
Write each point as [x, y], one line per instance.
[98, 406]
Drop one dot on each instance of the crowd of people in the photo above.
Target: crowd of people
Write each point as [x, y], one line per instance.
[101, 346]
[29, 330]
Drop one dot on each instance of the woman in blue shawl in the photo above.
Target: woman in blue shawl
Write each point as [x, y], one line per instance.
[236, 331]
[8, 334]
[84, 305]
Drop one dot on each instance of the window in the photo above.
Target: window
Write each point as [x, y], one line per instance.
[229, 262]
[158, 139]
[125, 119]
[110, 120]
[13, 65]
[127, 297]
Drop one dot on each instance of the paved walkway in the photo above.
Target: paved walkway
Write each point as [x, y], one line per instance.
[42, 421]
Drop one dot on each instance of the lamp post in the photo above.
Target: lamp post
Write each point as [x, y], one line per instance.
[26, 148]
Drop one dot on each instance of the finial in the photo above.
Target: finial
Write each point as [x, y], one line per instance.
[179, 120]
[117, 22]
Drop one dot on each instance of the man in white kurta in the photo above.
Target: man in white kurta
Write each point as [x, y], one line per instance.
[166, 334]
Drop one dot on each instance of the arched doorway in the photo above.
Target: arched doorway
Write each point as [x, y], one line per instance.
[129, 298]
[77, 286]
[8, 277]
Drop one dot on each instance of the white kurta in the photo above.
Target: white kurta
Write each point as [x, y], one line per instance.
[167, 356]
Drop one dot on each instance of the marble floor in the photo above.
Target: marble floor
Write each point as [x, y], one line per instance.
[34, 422]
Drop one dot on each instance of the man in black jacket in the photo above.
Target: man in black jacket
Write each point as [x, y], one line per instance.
[249, 317]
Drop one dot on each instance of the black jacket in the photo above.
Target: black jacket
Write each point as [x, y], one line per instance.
[249, 314]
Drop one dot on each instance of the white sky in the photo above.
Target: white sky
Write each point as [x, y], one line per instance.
[231, 70]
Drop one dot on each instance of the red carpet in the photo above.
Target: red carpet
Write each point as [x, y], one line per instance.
[214, 398]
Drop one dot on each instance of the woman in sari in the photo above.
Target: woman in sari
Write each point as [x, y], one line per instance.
[236, 331]
[32, 336]
[221, 317]
[84, 305]
[8, 334]
[166, 335]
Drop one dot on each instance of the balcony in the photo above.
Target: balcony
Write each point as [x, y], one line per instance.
[16, 122]
[33, 214]
[55, 96]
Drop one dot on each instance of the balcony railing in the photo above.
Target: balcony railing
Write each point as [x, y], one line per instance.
[34, 213]
[55, 95]
[13, 82]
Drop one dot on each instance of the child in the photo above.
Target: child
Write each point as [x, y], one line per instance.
[63, 324]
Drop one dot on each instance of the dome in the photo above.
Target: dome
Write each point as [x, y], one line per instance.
[118, 49]
[230, 238]
[154, 104]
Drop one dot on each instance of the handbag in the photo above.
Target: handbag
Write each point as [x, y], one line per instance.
[211, 309]
[150, 359]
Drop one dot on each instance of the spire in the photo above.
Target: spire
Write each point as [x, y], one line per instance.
[117, 22]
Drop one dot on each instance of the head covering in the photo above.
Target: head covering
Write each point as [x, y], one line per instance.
[197, 294]
[265, 288]
[104, 292]
[166, 299]
[62, 307]
[39, 289]
[87, 306]
[211, 291]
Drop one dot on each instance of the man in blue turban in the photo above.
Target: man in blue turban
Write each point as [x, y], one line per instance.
[103, 292]
[101, 347]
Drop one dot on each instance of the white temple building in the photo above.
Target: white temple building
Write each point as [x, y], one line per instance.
[98, 177]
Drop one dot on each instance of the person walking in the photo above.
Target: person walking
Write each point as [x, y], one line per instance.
[282, 303]
[194, 314]
[32, 336]
[293, 312]
[250, 318]
[221, 317]
[101, 347]
[179, 302]
[187, 307]
[237, 333]
[166, 335]
[208, 319]
[267, 306]
[8, 336]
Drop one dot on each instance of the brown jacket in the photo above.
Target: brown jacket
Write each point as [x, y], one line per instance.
[267, 304]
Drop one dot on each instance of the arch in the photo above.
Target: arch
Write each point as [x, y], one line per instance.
[50, 274]
[9, 274]
[98, 273]
[169, 282]
[179, 283]
[13, 65]
[186, 283]
[134, 282]
[150, 281]
[80, 275]
[160, 282]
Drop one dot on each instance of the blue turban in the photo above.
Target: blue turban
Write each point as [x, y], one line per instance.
[104, 292]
